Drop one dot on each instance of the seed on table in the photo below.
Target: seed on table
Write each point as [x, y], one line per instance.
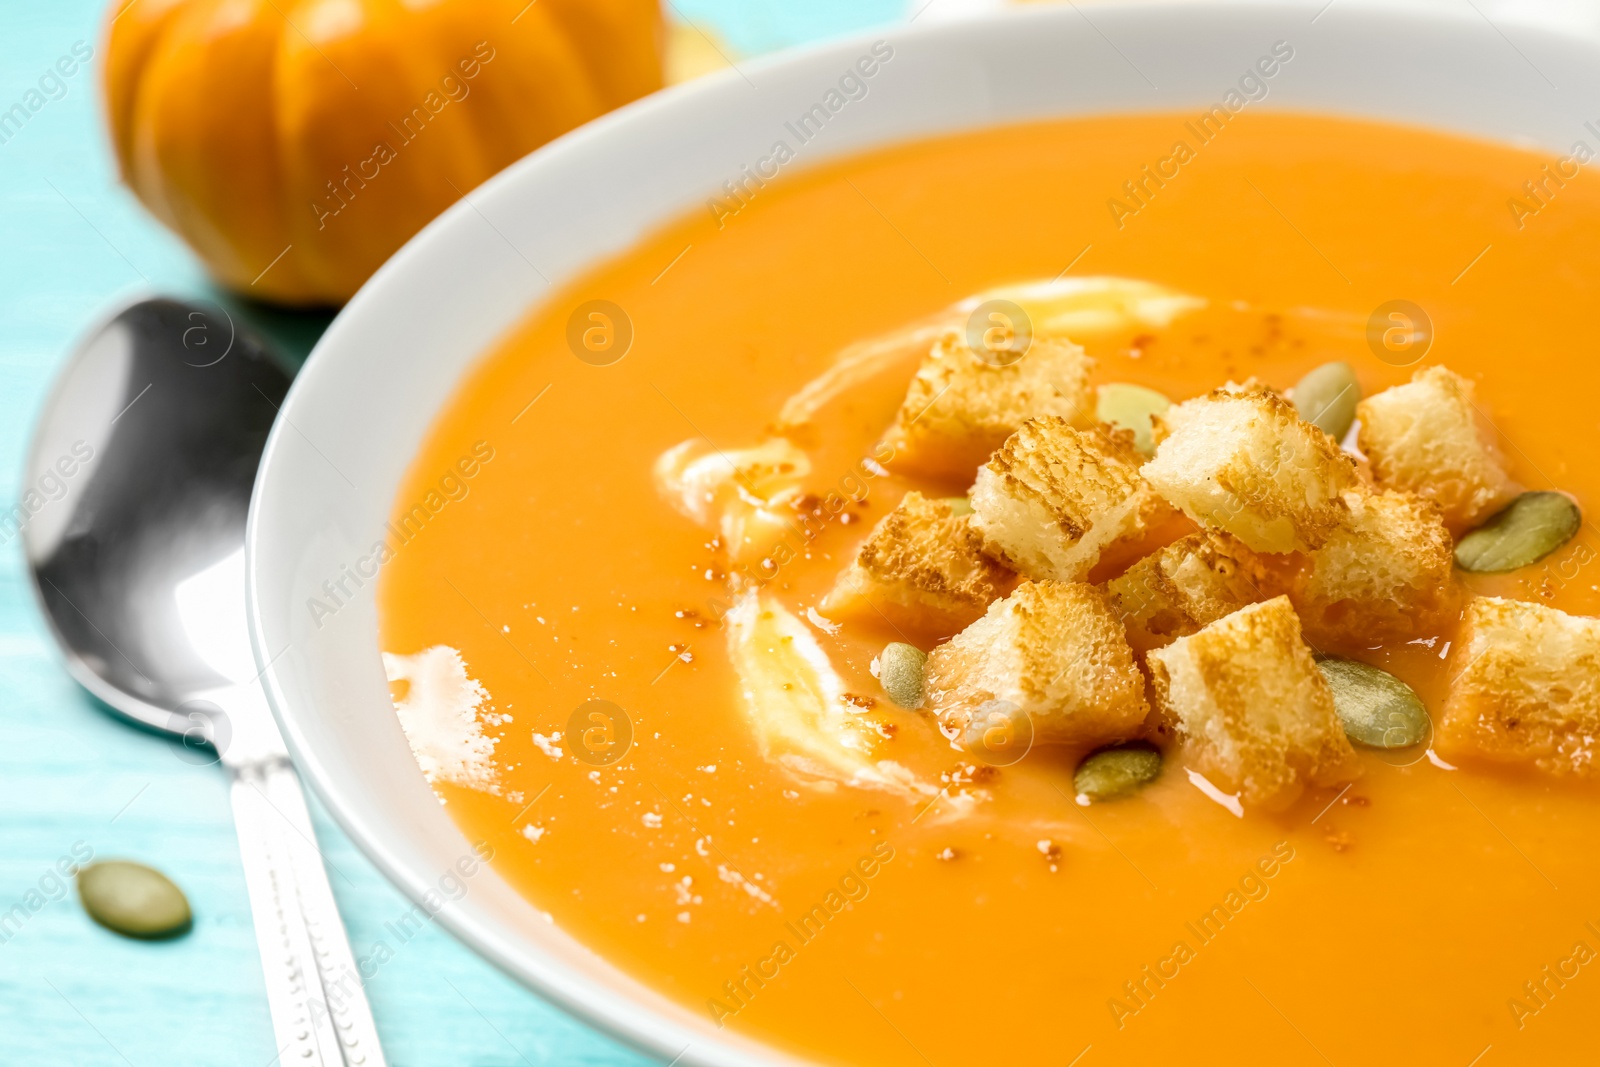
[1118, 771]
[1529, 529]
[1376, 708]
[133, 900]
[900, 669]
[1327, 396]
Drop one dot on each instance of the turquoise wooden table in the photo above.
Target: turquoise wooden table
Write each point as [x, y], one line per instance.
[75, 780]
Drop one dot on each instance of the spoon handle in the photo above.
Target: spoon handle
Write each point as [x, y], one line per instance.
[319, 1010]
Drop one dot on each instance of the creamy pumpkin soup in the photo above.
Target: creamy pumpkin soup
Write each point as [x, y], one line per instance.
[988, 601]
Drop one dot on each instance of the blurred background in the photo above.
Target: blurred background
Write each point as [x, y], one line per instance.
[75, 240]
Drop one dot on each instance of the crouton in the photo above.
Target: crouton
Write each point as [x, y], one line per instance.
[1426, 437]
[1188, 585]
[1052, 499]
[1255, 711]
[923, 567]
[1052, 652]
[961, 406]
[1241, 458]
[1525, 689]
[1387, 574]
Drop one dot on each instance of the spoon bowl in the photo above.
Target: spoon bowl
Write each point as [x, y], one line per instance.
[140, 477]
[133, 517]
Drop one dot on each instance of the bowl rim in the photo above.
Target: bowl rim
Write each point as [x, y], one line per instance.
[619, 1016]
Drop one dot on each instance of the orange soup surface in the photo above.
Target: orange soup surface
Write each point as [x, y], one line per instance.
[964, 913]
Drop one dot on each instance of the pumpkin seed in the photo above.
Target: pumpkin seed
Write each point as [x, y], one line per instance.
[1529, 529]
[1116, 772]
[959, 505]
[1376, 708]
[1129, 407]
[1327, 397]
[900, 671]
[133, 900]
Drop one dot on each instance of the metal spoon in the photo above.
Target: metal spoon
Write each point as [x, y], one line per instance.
[133, 516]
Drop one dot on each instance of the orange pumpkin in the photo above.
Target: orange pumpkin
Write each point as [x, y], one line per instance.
[296, 144]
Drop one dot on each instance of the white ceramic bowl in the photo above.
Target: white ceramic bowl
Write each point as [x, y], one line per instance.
[373, 385]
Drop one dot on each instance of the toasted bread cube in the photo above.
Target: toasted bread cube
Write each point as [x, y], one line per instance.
[1241, 459]
[1052, 499]
[1525, 689]
[1387, 574]
[1188, 585]
[1051, 651]
[961, 406]
[922, 566]
[1427, 437]
[1255, 710]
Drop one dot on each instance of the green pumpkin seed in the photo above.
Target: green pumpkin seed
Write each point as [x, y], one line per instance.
[959, 505]
[1129, 407]
[1116, 772]
[133, 900]
[900, 670]
[1376, 708]
[1532, 527]
[1327, 398]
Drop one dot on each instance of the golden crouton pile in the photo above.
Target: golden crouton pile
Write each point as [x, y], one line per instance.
[1182, 597]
